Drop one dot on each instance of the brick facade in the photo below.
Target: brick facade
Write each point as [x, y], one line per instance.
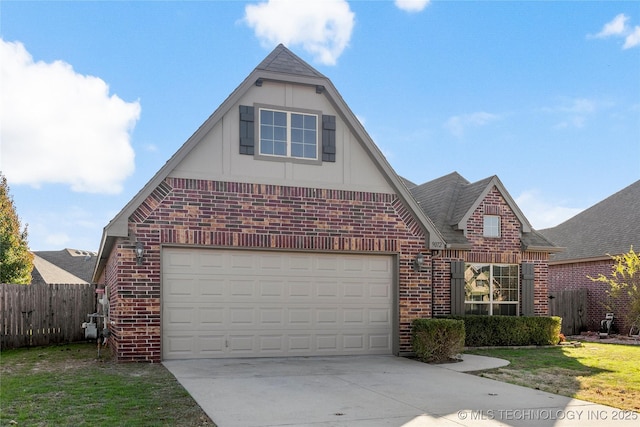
[256, 216]
[575, 275]
[216, 214]
[504, 250]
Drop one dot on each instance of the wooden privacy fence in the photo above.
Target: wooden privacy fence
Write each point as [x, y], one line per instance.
[571, 305]
[41, 314]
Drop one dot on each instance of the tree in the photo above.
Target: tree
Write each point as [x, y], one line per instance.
[624, 283]
[16, 262]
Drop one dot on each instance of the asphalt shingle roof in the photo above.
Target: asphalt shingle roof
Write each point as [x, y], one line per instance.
[68, 263]
[446, 200]
[611, 226]
[438, 199]
[282, 60]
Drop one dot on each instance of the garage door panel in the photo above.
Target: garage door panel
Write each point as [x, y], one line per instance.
[300, 289]
[241, 288]
[181, 285]
[218, 303]
[380, 265]
[184, 317]
[211, 261]
[211, 345]
[271, 288]
[272, 316]
[271, 262]
[354, 316]
[271, 343]
[241, 342]
[327, 343]
[181, 317]
[380, 290]
[241, 261]
[300, 317]
[357, 265]
[302, 264]
[254, 343]
[354, 342]
[380, 342]
[380, 316]
[327, 289]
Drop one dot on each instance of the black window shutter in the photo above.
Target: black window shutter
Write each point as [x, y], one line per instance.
[247, 130]
[328, 138]
[528, 288]
[457, 288]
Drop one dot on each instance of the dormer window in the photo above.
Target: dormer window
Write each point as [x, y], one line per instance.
[288, 134]
[491, 226]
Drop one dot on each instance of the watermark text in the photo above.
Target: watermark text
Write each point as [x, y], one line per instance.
[548, 415]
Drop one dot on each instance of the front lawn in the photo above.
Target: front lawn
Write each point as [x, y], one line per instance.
[608, 374]
[67, 385]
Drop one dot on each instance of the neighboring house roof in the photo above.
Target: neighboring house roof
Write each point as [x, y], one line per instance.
[451, 200]
[611, 226]
[280, 65]
[70, 266]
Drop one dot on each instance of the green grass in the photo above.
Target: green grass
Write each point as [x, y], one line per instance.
[68, 386]
[608, 374]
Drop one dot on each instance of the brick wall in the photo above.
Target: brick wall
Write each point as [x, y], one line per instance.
[504, 250]
[225, 214]
[571, 276]
[257, 216]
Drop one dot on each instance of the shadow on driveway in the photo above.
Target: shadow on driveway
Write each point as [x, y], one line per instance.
[373, 391]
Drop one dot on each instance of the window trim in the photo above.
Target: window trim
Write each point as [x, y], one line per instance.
[288, 158]
[497, 227]
[491, 301]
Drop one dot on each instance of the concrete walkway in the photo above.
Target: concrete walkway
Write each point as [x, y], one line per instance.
[376, 391]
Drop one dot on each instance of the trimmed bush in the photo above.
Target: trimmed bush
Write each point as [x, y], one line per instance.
[491, 331]
[437, 340]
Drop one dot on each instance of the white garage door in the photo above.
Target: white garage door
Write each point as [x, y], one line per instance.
[236, 303]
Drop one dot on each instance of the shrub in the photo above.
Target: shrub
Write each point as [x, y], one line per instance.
[493, 331]
[437, 340]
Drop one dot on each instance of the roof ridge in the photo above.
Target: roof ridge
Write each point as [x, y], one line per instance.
[282, 60]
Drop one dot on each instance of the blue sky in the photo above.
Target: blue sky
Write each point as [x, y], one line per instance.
[96, 96]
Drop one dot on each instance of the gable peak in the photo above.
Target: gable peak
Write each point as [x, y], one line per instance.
[282, 60]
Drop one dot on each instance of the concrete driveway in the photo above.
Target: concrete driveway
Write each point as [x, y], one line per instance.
[375, 391]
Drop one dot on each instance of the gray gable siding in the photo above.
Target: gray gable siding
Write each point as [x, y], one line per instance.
[280, 66]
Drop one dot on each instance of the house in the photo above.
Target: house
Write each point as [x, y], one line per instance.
[497, 261]
[279, 229]
[610, 227]
[66, 266]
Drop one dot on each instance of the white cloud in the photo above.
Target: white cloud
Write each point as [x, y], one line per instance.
[618, 27]
[75, 225]
[151, 148]
[57, 240]
[633, 39]
[573, 112]
[412, 5]
[59, 126]
[543, 213]
[322, 28]
[578, 106]
[458, 124]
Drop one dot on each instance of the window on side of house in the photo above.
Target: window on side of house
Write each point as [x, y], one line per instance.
[491, 226]
[492, 289]
[288, 134]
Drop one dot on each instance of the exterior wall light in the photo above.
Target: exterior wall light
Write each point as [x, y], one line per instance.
[418, 262]
[139, 252]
